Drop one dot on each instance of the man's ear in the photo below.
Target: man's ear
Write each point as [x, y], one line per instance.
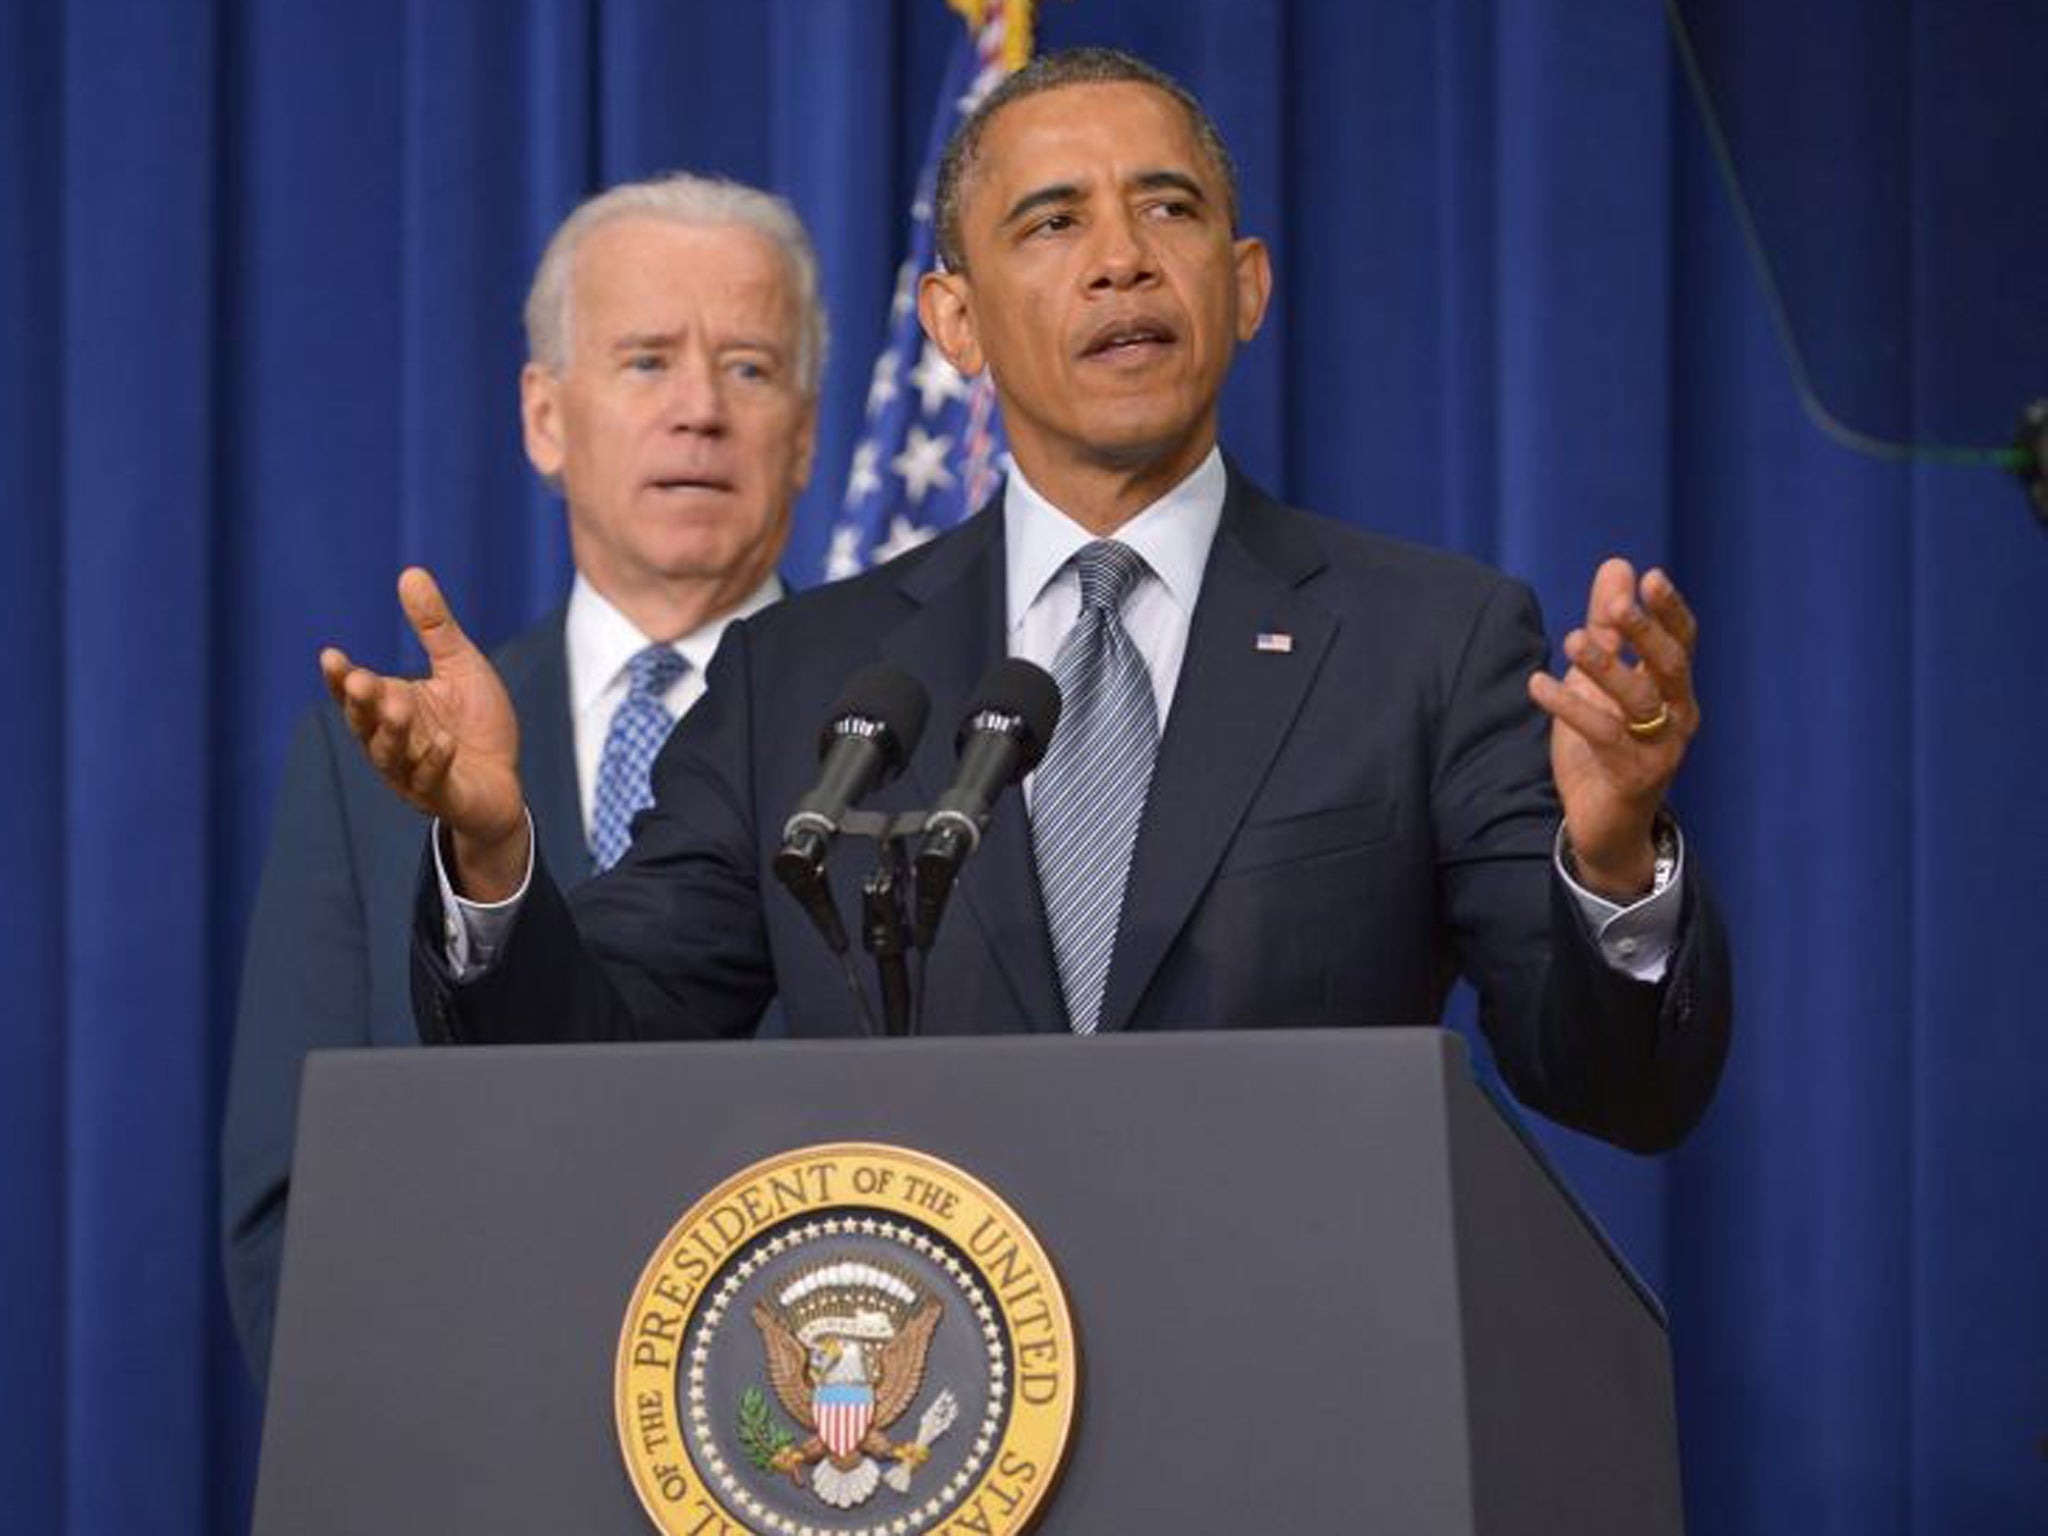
[1254, 285]
[540, 418]
[946, 311]
[806, 447]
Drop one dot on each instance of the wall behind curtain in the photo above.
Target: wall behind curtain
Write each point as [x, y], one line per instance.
[260, 272]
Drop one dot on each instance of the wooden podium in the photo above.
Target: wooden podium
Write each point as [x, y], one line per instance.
[1321, 1284]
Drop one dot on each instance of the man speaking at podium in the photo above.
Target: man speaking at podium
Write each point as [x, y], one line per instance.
[1304, 776]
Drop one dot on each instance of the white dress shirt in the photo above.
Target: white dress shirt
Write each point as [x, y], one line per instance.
[1173, 534]
[600, 641]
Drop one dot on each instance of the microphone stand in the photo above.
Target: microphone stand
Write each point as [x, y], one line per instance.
[883, 931]
[886, 931]
[885, 918]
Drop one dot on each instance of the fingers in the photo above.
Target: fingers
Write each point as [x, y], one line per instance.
[334, 670]
[410, 730]
[1649, 619]
[428, 613]
[1664, 600]
[430, 767]
[1593, 717]
[1667, 663]
[1614, 588]
[388, 738]
[383, 713]
[359, 692]
[1633, 690]
[409, 749]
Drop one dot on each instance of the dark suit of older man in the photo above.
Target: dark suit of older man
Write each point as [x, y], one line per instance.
[325, 966]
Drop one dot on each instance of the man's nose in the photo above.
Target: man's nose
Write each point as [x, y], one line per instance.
[696, 394]
[1122, 254]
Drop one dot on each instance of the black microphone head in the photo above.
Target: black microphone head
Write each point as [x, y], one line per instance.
[885, 704]
[1025, 692]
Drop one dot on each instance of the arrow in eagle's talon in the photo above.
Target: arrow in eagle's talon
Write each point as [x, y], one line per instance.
[937, 1419]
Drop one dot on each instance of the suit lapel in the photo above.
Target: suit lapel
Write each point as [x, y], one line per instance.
[955, 631]
[1232, 709]
[536, 672]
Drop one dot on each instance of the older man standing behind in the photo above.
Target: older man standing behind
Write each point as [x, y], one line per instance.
[676, 339]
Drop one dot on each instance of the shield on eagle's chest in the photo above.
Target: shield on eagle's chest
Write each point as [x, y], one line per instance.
[844, 1410]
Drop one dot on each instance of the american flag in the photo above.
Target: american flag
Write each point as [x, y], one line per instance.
[931, 447]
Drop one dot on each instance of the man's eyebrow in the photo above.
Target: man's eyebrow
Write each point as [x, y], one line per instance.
[1153, 181]
[1061, 193]
[1058, 192]
[662, 341]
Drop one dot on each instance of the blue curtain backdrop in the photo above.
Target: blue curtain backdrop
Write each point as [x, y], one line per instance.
[260, 273]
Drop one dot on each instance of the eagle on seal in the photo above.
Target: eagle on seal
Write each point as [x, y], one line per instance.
[846, 1354]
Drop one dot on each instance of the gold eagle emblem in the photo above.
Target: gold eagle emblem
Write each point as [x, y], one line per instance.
[846, 1343]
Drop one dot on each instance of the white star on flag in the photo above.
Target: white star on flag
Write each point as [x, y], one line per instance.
[882, 382]
[843, 559]
[904, 536]
[904, 299]
[865, 478]
[922, 463]
[936, 380]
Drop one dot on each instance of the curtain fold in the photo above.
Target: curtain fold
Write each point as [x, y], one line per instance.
[261, 269]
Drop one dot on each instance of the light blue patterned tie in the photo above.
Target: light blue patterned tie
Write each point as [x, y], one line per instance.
[640, 725]
[1090, 791]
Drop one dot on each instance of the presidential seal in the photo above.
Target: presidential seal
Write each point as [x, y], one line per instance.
[846, 1340]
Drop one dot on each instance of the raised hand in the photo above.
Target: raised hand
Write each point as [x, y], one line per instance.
[447, 743]
[1621, 718]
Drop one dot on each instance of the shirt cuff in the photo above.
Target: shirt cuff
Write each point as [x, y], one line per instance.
[472, 932]
[1636, 939]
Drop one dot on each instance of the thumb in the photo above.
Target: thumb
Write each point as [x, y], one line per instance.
[427, 611]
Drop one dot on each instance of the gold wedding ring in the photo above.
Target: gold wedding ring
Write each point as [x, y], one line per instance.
[1646, 730]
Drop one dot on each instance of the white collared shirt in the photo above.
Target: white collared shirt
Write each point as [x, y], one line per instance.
[600, 642]
[1174, 534]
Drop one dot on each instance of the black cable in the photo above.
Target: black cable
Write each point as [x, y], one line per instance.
[860, 997]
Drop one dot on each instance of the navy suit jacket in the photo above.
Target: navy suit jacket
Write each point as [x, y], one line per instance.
[326, 962]
[1334, 830]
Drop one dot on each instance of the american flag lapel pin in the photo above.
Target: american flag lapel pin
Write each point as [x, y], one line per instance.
[1274, 642]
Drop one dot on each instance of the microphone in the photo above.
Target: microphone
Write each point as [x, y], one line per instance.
[1007, 729]
[873, 729]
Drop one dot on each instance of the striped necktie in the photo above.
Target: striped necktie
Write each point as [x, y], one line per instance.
[639, 726]
[1090, 791]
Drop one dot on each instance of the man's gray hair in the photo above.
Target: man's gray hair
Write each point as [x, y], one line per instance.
[1051, 72]
[704, 202]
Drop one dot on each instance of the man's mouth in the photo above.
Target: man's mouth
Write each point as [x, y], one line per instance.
[1129, 338]
[684, 485]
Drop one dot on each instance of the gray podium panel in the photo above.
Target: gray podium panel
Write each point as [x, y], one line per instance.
[1320, 1284]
